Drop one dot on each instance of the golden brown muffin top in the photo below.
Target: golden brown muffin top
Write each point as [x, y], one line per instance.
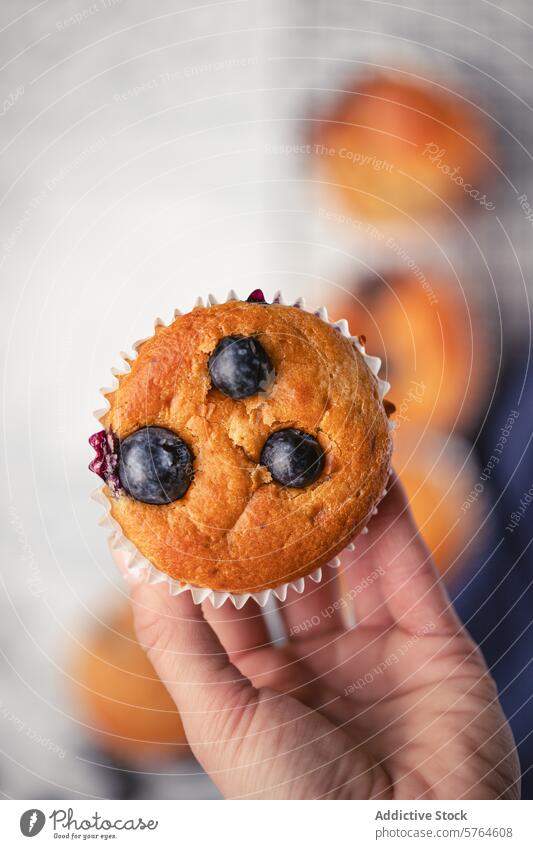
[236, 529]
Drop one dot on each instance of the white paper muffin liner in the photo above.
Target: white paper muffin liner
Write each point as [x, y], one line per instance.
[139, 566]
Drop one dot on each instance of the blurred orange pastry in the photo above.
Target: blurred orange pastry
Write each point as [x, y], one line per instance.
[442, 481]
[434, 343]
[124, 704]
[400, 146]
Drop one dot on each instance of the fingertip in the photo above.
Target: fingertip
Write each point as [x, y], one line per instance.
[410, 584]
[131, 575]
[395, 503]
[239, 631]
[154, 602]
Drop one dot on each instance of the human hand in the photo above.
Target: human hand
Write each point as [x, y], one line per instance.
[401, 706]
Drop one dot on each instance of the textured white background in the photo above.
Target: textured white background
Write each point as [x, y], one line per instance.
[135, 174]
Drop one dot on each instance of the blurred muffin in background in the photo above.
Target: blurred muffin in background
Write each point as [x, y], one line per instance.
[442, 481]
[433, 340]
[122, 702]
[398, 146]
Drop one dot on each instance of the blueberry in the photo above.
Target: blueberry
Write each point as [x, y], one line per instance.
[155, 465]
[239, 366]
[293, 457]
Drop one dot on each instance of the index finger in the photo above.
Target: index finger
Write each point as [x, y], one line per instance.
[407, 589]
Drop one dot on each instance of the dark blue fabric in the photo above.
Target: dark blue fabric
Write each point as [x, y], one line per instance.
[495, 598]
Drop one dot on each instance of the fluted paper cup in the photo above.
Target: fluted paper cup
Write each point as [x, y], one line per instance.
[141, 568]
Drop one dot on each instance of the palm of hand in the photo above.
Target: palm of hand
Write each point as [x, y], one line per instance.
[420, 706]
[401, 706]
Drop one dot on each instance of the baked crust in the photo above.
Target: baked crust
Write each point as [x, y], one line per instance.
[236, 529]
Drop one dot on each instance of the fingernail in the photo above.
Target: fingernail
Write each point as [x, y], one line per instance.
[132, 576]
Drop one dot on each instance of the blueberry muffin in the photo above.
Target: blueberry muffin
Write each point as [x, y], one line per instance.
[246, 446]
[436, 341]
[122, 702]
[397, 146]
